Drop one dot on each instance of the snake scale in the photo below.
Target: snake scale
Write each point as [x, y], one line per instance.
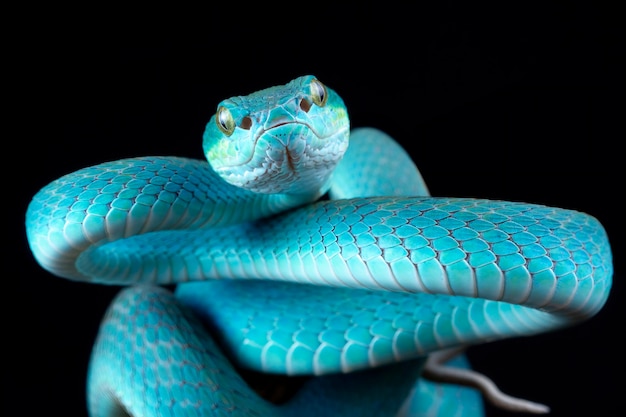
[297, 253]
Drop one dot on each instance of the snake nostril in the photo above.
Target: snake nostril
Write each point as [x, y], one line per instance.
[246, 123]
[305, 105]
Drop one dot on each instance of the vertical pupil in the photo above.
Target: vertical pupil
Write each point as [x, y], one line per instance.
[319, 91]
[223, 119]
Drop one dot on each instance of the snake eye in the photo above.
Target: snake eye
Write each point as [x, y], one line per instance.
[224, 121]
[318, 93]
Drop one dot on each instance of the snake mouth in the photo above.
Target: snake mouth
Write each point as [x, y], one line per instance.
[256, 137]
[278, 125]
[288, 156]
[285, 141]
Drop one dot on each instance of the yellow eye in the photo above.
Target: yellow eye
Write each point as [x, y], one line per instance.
[224, 121]
[318, 93]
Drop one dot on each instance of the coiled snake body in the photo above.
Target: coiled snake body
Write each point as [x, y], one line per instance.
[357, 289]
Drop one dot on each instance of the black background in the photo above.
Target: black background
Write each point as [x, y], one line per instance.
[507, 102]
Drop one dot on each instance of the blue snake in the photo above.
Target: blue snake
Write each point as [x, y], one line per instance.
[305, 248]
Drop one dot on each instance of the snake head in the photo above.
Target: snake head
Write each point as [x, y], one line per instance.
[284, 139]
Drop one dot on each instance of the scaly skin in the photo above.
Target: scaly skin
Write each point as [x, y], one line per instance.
[365, 284]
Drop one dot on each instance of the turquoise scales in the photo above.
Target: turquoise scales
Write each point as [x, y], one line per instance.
[458, 271]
